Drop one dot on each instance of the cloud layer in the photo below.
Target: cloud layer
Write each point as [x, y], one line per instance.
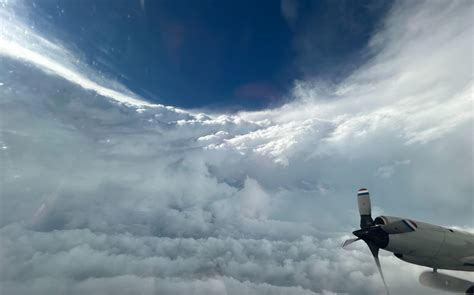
[104, 193]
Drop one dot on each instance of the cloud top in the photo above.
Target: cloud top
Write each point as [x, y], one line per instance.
[102, 192]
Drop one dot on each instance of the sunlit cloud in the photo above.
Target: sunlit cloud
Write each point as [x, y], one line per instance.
[111, 195]
[20, 42]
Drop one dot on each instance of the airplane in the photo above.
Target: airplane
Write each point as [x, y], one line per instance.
[419, 243]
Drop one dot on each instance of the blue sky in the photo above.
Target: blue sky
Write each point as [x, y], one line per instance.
[216, 54]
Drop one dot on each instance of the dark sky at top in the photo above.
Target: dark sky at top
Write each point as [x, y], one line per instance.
[218, 54]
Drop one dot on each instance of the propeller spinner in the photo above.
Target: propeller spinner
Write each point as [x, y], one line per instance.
[373, 235]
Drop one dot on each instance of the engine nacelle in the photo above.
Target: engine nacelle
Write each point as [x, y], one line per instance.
[421, 245]
[426, 244]
[384, 220]
[423, 239]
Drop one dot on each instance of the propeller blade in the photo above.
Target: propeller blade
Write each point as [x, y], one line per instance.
[373, 235]
[365, 208]
[375, 252]
[348, 242]
[400, 227]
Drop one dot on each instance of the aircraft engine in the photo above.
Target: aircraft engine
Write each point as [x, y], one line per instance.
[410, 239]
[405, 237]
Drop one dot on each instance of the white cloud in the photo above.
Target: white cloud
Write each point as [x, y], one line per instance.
[253, 200]
[387, 171]
[103, 197]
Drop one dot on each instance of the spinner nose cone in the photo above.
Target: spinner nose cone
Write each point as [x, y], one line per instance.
[373, 234]
[361, 233]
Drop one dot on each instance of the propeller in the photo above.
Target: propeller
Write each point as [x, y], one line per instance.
[373, 235]
[348, 242]
[375, 252]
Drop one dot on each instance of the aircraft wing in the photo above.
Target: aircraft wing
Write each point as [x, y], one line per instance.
[468, 260]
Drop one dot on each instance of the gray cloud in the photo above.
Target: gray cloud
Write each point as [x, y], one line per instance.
[100, 197]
